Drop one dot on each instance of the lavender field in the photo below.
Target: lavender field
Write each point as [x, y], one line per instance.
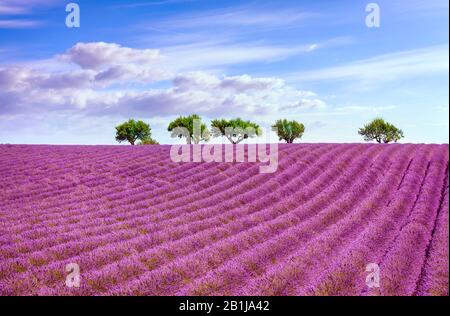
[138, 224]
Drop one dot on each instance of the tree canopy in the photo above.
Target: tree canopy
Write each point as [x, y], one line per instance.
[190, 127]
[148, 141]
[381, 131]
[132, 131]
[235, 130]
[289, 130]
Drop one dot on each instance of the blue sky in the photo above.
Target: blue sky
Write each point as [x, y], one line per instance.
[313, 61]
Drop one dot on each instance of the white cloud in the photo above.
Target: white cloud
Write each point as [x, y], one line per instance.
[70, 80]
[101, 54]
[246, 83]
[235, 84]
[306, 103]
[210, 95]
[94, 87]
[114, 63]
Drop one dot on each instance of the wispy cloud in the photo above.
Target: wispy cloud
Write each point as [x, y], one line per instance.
[351, 110]
[217, 54]
[420, 6]
[23, 12]
[19, 24]
[387, 67]
[13, 7]
[237, 17]
[238, 20]
[367, 109]
[231, 36]
[148, 4]
[6, 9]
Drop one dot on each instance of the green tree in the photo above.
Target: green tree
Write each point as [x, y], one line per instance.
[381, 131]
[235, 130]
[132, 131]
[148, 141]
[190, 127]
[289, 130]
